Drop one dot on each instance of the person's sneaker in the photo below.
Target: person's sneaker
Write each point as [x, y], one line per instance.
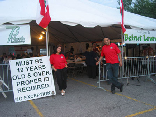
[121, 88]
[62, 92]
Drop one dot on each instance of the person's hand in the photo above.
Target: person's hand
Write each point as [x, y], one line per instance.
[120, 63]
[55, 69]
[101, 62]
[97, 63]
[66, 66]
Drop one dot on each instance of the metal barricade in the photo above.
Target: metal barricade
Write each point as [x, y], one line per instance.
[132, 67]
[5, 78]
[103, 73]
[152, 65]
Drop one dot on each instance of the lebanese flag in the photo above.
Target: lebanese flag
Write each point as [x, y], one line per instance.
[122, 16]
[43, 16]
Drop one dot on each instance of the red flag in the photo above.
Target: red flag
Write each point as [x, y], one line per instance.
[122, 16]
[43, 16]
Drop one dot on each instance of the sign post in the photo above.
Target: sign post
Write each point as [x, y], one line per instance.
[47, 40]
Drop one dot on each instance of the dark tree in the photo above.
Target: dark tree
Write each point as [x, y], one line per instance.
[142, 7]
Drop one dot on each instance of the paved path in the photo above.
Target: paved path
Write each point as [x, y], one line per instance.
[84, 99]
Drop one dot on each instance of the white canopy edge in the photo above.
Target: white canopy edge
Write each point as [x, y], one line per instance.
[72, 12]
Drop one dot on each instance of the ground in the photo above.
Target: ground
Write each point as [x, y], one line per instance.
[83, 98]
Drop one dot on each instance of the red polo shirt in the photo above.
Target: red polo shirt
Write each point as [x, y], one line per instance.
[58, 61]
[111, 53]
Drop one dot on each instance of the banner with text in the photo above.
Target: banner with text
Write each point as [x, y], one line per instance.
[31, 78]
[15, 35]
[133, 36]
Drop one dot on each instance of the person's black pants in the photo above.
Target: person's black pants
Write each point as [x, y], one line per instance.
[91, 70]
[61, 75]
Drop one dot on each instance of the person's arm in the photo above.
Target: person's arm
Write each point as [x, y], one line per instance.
[51, 61]
[99, 60]
[120, 63]
[119, 54]
[66, 64]
[54, 68]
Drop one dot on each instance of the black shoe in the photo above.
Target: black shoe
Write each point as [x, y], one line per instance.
[113, 91]
[121, 88]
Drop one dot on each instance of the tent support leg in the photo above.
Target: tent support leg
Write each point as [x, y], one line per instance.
[47, 40]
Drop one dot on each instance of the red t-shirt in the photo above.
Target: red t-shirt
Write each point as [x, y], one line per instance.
[111, 53]
[58, 61]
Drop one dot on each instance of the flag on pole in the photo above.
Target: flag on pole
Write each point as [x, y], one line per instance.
[122, 16]
[43, 16]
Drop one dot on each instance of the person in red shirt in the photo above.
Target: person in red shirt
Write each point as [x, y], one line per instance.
[111, 53]
[59, 65]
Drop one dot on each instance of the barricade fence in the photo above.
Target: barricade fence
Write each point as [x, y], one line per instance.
[132, 67]
[5, 78]
[152, 65]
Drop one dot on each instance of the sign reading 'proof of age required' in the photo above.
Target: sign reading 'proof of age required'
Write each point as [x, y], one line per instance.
[133, 36]
[31, 78]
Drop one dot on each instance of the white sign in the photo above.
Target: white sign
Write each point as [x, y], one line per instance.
[133, 36]
[31, 78]
[15, 34]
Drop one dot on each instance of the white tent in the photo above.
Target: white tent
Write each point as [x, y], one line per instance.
[73, 12]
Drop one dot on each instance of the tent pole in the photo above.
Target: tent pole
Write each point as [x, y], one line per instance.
[122, 42]
[47, 40]
[122, 55]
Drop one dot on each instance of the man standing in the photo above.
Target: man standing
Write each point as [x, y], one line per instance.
[111, 53]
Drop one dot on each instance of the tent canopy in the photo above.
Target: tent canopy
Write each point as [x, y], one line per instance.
[62, 33]
[77, 14]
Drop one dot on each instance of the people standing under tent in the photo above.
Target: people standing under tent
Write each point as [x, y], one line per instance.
[148, 51]
[111, 53]
[4, 57]
[91, 62]
[95, 49]
[18, 56]
[71, 56]
[59, 65]
[72, 49]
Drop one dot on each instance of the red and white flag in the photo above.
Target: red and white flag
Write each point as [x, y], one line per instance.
[122, 16]
[43, 16]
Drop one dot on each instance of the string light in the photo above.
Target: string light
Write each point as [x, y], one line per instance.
[40, 37]
[43, 32]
